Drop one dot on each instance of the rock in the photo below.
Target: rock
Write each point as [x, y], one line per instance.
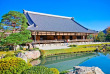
[17, 47]
[35, 62]
[29, 55]
[30, 46]
[98, 71]
[97, 49]
[21, 55]
[87, 70]
[32, 54]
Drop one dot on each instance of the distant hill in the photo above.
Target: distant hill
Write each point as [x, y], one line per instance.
[105, 31]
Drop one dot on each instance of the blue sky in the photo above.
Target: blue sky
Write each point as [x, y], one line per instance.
[93, 14]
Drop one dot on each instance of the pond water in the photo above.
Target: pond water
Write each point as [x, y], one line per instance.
[67, 61]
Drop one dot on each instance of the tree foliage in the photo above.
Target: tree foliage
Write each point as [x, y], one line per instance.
[15, 19]
[90, 36]
[101, 37]
[108, 34]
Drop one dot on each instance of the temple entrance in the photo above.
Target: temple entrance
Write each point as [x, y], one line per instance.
[78, 37]
[63, 37]
[43, 37]
[71, 37]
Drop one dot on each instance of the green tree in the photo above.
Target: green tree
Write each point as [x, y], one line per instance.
[15, 19]
[101, 36]
[90, 36]
[15, 39]
[108, 34]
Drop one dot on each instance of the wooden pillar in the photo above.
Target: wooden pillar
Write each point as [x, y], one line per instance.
[83, 37]
[35, 36]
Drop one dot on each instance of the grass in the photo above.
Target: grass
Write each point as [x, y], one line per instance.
[69, 50]
[89, 45]
[78, 48]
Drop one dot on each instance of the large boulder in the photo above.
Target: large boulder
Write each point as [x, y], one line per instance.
[21, 55]
[87, 70]
[35, 62]
[32, 54]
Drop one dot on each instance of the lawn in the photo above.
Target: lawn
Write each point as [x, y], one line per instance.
[69, 50]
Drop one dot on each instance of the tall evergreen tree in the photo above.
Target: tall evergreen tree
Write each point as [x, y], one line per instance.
[15, 19]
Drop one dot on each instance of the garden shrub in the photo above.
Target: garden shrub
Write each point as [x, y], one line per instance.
[107, 47]
[64, 72]
[54, 70]
[9, 55]
[73, 45]
[4, 49]
[16, 52]
[21, 48]
[12, 65]
[29, 64]
[24, 49]
[42, 53]
[35, 48]
[38, 70]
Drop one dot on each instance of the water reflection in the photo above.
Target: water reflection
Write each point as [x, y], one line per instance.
[64, 61]
[102, 61]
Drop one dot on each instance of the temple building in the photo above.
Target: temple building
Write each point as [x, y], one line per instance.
[53, 27]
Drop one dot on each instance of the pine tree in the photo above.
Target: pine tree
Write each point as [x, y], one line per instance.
[15, 19]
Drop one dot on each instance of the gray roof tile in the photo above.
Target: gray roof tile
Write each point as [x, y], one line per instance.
[52, 23]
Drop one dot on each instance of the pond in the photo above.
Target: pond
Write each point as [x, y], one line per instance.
[67, 61]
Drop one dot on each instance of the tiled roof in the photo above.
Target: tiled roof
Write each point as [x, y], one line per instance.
[47, 22]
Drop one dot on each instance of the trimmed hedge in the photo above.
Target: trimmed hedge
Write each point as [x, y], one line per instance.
[38, 70]
[73, 46]
[12, 65]
[54, 70]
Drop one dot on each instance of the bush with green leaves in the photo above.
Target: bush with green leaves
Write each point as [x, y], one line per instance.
[108, 48]
[12, 65]
[35, 48]
[16, 52]
[54, 70]
[64, 72]
[42, 53]
[38, 70]
[4, 49]
[9, 55]
[73, 45]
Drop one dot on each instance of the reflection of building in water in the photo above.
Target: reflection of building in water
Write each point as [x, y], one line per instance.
[65, 61]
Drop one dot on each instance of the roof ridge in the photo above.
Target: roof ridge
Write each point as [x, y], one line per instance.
[80, 24]
[25, 11]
